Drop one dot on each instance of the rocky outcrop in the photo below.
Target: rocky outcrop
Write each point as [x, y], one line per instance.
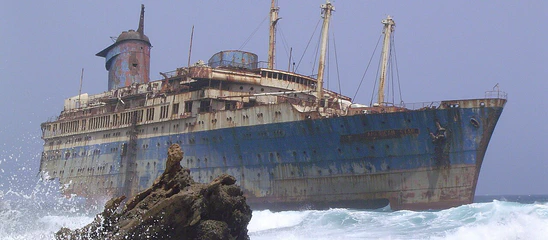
[174, 207]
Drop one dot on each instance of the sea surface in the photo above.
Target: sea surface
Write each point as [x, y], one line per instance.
[38, 214]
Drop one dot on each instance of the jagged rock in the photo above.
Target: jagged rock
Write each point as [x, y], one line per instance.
[174, 207]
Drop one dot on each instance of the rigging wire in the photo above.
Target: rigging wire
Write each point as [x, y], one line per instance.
[316, 56]
[306, 48]
[375, 85]
[252, 34]
[397, 70]
[284, 42]
[337, 63]
[389, 77]
[391, 66]
[328, 66]
[368, 64]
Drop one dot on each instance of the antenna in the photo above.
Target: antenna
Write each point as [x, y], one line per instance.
[190, 48]
[80, 90]
[141, 28]
[289, 63]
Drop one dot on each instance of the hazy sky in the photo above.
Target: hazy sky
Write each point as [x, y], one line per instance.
[445, 50]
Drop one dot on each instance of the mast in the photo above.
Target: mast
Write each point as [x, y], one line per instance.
[327, 9]
[387, 31]
[272, 36]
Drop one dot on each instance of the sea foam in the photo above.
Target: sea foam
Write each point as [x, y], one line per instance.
[43, 212]
[492, 220]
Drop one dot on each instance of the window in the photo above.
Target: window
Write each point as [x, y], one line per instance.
[175, 109]
[140, 116]
[188, 107]
[164, 111]
[230, 105]
[150, 114]
[205, 106]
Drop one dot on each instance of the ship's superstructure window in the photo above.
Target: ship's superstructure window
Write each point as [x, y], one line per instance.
[127, 117]
[98, 122]
[205, 106]
[164, 111]
[286, 77]
[175, 109]
[188, 108]
[150, 114]
[115, 120]
[69, 127]
[140, 115]
[230, 105]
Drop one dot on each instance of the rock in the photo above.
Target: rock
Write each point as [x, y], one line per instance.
[174, 207]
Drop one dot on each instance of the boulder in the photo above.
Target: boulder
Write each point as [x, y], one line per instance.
[174, 207]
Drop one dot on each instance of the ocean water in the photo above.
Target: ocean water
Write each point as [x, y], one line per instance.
[42, 212]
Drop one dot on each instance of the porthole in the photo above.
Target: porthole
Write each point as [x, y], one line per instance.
[474, 122]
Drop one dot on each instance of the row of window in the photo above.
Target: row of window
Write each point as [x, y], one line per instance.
[286, 77]
[125, 118]
[65, 127]
[91, 170]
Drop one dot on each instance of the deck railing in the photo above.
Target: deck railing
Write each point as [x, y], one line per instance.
[420, 105]
[496, 94]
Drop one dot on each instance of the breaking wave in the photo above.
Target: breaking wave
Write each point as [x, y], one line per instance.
[491, 220]
[43, 211]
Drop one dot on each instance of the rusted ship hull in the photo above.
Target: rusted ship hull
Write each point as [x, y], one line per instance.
[419, 159]
[289, 142]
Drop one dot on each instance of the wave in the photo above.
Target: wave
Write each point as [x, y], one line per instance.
[493, 220]
[41, 213]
